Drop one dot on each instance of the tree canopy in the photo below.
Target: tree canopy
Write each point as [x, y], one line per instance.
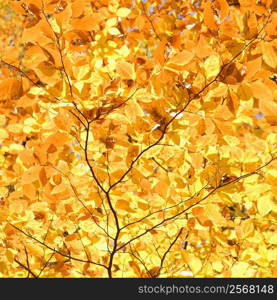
[138, 138]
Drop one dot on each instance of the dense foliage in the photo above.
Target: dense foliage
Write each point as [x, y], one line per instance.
[138, 138]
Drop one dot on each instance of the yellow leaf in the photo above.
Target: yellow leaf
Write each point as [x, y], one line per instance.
[246, 228]
[2, 120]
[15, 148]
[17, 206]
[15, 128]
[123, 12]
[239, 269]
[194, 263]
[264, 205]
[217, 266]
[114, 31]
[59, 188]
[212, 212]
[4, 191]
[212, 66]
[3, 134]
[231, 140]
[111, 22]
[87, 226]
[273, 239]
[81, 71]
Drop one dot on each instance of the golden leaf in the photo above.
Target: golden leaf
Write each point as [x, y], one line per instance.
[125, 70]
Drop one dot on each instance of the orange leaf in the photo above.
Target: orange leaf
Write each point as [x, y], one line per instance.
[11, 88]
[30, 175]
[122, 204]
[269, 55]
[181, 58]
[125, 70]
[209, 16]
[261, 92]
[224, 9]
[87, 23]
[159, 53]
[42, 176]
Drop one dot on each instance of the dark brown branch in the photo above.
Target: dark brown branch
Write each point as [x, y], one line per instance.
[113, 108]
[27, 268]
[59, 49]
[153, 158]
[79, 199]
[163, 209]
[76, 116]
[194, 204]
[27, 259]
[115, 239]
[18, 70]
[57, 251]
[194, 97]
[88, 162]
[46, 264]
[168, 250]
[141, 261]
[114, 250]
[150, 21]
